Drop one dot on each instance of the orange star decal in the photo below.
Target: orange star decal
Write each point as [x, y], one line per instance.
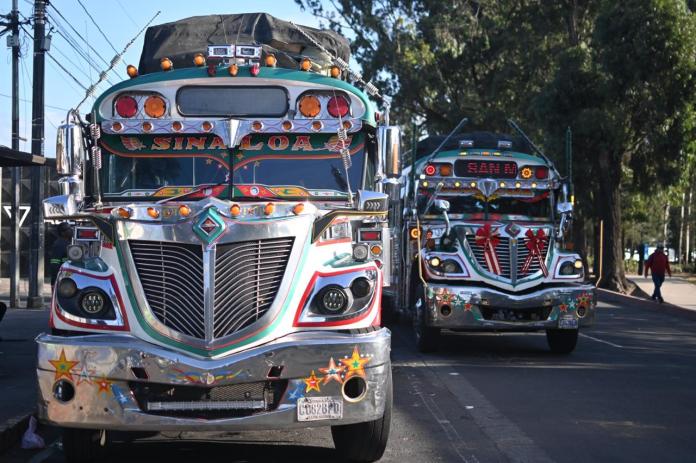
[355, 364]
[63, 366]
[312, 383]
[332, 372]
[103, 384]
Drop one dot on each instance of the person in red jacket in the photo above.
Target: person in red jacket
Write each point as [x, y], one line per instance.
[658, 263]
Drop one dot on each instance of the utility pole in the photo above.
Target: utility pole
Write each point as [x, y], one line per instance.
[16, 171]
[36, 258]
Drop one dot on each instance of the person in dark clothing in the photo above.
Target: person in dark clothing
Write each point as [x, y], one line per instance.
[59, 250]
[658, 263]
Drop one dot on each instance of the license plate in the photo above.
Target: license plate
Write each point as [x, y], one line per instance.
[319, 408]
[568, 323]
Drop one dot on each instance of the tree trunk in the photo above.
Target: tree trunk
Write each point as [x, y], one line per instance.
[613, 276]
[681, 256]
[688, 223]
[665, 227]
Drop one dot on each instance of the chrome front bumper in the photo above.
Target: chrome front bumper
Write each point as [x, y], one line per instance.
[105, 372]
[477, 308]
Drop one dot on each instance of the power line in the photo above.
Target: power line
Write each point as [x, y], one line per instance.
[76, 32]
[29, 101]
[97, 26]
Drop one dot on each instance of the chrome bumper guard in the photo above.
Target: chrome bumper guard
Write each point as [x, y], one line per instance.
[119, 382]
[476, 308]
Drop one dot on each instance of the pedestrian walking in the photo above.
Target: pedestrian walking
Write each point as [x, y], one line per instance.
[658, 263]
[59, 250]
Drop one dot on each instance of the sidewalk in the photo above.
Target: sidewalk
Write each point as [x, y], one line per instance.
[18, 329]
[675, 290]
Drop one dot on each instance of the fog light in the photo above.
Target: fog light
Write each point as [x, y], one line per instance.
[445, 310]
[333, 300]
[63, 391]
[67, 288]
[93, 302]
[360, 287]
[578, 264]
[434, 262]
[75, 252]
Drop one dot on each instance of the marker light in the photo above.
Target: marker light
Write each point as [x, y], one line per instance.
[317, 125]
[254, 70]
[472, 184]
[501, 184]
[286, 125]
[199, 59]
[297, 210]
[347, 124]
[268, 210]
[415, 233]
[233, 69]
[309, 106]
[235, 210]
[429, 169]
[518, 184]
[376, 250]
[207, 126]
[132, 71]
[526, 172]
[541, 172]
[305, 64]
[534, 184]
[126, 106]
[124, 212]
[338, 106]
[177, 126]
[256, 126]
[152, 212]
[116, 126]
[425, 184]
[271, 60]
[184, 210]
[445, 170]
[147, 126]
[457, 184]
[155, 106]
[166, 64]
[335, 72]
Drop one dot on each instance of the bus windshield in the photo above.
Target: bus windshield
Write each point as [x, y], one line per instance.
[477, 207]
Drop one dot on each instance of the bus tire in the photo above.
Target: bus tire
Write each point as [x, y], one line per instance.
[562, 341]
[82, 445]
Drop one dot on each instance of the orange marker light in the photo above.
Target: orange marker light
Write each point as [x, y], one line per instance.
[116, 126]
[235, 210]
[124, 212]
[184, 210]
[376, 250]
[415, 233]
[132, 71]
[305, 64]
[335, 72]
[147, 126]
[207, 126]
[177, 126]
[199, 59]
[256, 126]
[152, 212]
[155, 106]
[233, 69]
[166, 64]
[317, 125]
[271, 60]
[347, 125]
[526, 172]
[268, 210]
[287, 125]
[297, 210]
[309, 106]
[445, 170]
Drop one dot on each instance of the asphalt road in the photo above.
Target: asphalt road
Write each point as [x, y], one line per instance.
[627, 393]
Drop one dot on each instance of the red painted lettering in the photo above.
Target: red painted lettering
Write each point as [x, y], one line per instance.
[302, 144]
[161, 143]
[278, 142]
[247, 146]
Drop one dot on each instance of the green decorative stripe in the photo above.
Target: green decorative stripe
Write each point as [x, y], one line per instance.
[195, 350]
[265, 73]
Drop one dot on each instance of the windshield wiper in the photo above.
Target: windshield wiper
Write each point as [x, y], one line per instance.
[194, 191]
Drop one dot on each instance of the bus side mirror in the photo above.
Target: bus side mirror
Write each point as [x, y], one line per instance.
[70, 150]
[564, 208]
[372, 201]
[389, 139]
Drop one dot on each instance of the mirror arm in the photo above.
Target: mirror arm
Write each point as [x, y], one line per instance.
[447, 223]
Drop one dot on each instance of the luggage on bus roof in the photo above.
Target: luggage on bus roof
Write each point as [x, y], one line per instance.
[481, 140]
[181, 40]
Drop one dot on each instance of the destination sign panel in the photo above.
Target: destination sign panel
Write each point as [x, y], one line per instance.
[493, 169]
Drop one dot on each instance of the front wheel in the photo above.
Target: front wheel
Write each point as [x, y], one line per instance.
[365, 442]
[562, 341]
[82, 445]
[427, 338]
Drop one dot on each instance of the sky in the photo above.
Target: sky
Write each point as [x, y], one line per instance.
[120, 20]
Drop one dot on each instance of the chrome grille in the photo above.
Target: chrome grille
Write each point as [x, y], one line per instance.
[171, 275]
[247, 277]
[503, 251]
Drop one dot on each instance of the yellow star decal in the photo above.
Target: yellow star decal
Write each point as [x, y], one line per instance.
[63, 366]
[312, 383]
[355, 364]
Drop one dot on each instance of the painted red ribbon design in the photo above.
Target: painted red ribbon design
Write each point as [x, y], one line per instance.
[488, 239]
[535, 244]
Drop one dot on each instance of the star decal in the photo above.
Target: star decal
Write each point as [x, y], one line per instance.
[84, 376]
[447, 297]
[297, 393]
[563, 307]
[584, 301]
[103, 385]
[332, 372]
[312, 383]
[467, 307]
[355, 364]
[63, 366]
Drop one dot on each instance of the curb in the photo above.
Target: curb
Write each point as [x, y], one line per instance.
[666, 307]
[11, 431]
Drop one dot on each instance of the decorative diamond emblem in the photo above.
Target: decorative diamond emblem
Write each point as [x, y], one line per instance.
[513, 229]
[209, 226]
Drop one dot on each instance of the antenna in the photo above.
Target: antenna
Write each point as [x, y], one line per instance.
[517, 128]
[461, 124]
[114, 61]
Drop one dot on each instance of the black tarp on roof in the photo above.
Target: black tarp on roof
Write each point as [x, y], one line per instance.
[482, 140]
[181, 40]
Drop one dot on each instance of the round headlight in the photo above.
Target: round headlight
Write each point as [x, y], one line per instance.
[93, 302]
[577, 264]
[75, 252]
[360, 252]
[569, 268]
[434, 261]
[360, 287]
[67, 288]
[333, 300]
[451, 266]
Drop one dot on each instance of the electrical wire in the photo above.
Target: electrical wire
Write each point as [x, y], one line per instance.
[29, 101]
[74, 30]
[97, 26]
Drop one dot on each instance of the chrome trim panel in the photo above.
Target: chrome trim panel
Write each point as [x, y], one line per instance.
[104, 371]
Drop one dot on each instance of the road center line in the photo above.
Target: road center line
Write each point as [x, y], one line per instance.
[601, 340]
